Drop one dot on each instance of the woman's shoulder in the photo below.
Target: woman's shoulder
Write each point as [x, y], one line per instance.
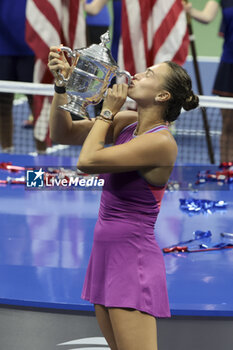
[123, 119]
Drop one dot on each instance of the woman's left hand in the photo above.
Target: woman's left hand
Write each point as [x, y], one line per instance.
[115, 98]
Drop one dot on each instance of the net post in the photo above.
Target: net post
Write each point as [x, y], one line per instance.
[199, 86]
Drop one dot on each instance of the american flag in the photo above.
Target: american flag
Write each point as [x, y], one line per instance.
[48, 23]
[153, 31]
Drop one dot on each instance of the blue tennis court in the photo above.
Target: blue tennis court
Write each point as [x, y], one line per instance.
[46, 239]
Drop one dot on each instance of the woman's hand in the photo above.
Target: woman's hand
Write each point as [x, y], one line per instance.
[187, 6]
[58, 62]
[115, 98]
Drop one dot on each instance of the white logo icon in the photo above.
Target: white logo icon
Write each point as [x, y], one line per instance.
[35, 178]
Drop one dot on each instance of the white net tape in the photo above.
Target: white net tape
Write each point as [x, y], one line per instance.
[188, 130]
[48, 90]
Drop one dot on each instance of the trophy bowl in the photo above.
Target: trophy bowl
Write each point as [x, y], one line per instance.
[92, 70]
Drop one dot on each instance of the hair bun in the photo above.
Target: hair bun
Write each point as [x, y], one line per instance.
[191, 102]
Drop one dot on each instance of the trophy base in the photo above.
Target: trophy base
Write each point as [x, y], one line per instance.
[79, 114]
[75, 108]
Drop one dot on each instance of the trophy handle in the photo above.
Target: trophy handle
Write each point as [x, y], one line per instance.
[124, 72]
[70, 53]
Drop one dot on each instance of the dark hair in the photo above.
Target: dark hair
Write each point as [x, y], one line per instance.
[179, 84]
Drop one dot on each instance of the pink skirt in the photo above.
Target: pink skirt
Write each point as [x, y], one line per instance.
[126, 269]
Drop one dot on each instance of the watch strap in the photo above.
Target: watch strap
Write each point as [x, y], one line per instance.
[104, 119]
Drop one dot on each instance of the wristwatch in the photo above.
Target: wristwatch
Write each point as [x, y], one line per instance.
[107, 114]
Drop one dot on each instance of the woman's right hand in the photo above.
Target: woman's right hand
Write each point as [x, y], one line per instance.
[57, 62]
[115, 98]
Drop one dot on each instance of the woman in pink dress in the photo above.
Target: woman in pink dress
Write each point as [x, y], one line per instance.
[126, 279]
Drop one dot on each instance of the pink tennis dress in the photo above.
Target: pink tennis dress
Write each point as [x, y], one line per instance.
[126, 268]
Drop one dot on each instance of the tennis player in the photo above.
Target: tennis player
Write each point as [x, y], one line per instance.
[125, 278]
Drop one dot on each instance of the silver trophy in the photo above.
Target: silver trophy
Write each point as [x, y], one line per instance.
[92, 70]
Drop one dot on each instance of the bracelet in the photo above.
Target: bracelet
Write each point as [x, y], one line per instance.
[104, 119]
[59, 89]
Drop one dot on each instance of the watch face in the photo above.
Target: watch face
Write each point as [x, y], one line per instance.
[107, 114]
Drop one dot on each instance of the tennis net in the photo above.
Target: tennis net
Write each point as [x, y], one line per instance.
[189, 130]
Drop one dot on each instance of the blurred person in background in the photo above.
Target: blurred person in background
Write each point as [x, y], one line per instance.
[16, 62]
[97, 20]
[94, 7]
[49, 23]
[223, 85]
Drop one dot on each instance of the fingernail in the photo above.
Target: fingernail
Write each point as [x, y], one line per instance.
[59, 48]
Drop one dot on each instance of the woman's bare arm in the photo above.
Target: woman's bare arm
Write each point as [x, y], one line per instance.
[63, 129]
[145, 151]
[205, 16]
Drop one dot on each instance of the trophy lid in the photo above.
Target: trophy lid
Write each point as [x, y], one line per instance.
[100, 52]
